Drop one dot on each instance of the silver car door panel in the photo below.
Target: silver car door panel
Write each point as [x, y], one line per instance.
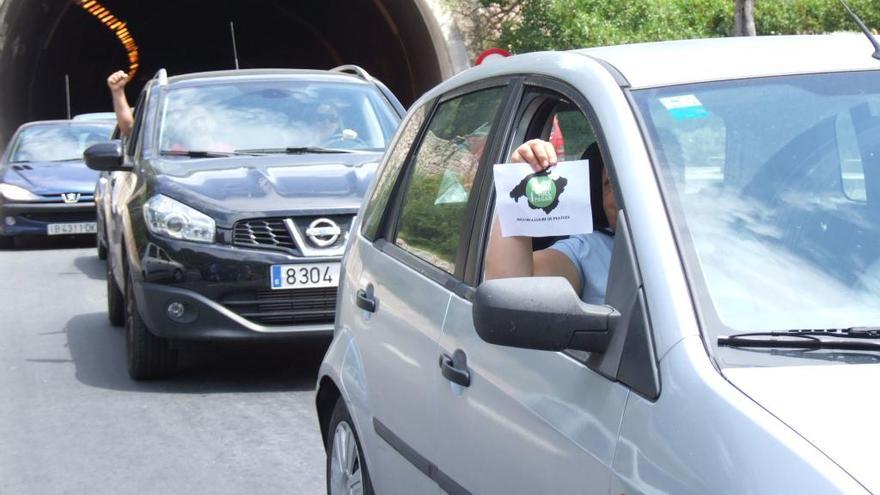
[398, 345]
[529, 419]
[664, 444]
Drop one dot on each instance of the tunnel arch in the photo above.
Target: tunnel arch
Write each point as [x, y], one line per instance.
[410, 45]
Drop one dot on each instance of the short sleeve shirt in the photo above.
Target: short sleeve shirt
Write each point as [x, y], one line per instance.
[591, 255]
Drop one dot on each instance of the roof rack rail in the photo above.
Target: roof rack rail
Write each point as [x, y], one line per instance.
[162, 77]
[353, 69]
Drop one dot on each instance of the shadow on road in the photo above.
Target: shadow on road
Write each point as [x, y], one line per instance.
[93, 267]
[38, 242]
[98, 352]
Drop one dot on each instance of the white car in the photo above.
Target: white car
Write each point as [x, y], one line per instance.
[738, 341]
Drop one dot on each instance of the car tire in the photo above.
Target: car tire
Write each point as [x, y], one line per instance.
[6, 241]
[346, 469]
[115, 300]
[149, 357]
[102, 250]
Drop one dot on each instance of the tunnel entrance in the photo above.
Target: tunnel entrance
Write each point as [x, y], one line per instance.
[400, 42]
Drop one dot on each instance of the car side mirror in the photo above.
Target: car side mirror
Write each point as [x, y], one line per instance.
[541, 313]
[105, 156]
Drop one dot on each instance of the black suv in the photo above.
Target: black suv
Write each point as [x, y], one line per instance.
[233, 209]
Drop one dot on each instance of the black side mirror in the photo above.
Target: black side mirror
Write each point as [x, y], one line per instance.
[541, 313]
[105, 156]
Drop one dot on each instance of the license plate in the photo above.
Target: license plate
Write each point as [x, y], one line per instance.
[304, 276]
[72, 228]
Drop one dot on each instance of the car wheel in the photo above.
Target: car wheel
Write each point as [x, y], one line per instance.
[346, 470]
[149, 357]
[102, 250]
[115, 300]
[6, 241]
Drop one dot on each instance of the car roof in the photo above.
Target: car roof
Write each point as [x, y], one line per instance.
[689, 61]
[60, 122]
[667, 63]
[264, 74]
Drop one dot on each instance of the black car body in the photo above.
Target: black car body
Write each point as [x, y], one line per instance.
[247, 212]
[45, 188]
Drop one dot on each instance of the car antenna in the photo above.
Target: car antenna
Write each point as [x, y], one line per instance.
[864, 29]
[234, 49]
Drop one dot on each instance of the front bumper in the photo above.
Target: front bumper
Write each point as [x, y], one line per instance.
[226, 296]
[34, 218]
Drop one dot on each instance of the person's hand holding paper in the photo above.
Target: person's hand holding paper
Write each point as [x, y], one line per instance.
[537, 197]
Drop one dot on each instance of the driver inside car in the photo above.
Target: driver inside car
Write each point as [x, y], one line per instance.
[583, 259]
[327, 124]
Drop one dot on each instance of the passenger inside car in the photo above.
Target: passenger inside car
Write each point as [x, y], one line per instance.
[582, 259]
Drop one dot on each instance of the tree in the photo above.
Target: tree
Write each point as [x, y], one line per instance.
[744, 18]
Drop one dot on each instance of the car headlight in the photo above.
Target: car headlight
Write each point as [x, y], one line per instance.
[174, 219]
[16, 193]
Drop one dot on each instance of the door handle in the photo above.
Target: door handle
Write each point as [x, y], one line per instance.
[454, 368]
[366, 300]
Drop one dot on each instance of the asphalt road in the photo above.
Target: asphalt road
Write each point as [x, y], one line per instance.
[236, 420]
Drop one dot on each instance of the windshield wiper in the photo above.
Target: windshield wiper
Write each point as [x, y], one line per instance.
[201, 153]
[297, 150]
[853, 338]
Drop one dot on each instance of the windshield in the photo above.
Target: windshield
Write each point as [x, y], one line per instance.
[773, 185]
[59, 142]
[274, 115]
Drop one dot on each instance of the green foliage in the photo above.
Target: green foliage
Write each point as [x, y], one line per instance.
[812, 16]
[531, 25]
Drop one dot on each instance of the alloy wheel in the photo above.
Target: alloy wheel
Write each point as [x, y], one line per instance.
[345, 467]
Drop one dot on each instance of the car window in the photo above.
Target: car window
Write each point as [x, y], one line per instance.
[388, 174]
[135, 137]
[275, 115]
[552, 117]
[782, 234]
[570, 132]
[442, 176]
[59, 142]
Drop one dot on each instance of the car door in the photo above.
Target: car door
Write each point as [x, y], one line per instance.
[528, 421]
[407, 275]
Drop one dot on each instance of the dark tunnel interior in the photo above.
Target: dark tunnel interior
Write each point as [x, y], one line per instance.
[41, 41]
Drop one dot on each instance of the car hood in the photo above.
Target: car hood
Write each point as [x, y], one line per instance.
[230, 189]
[834, 407]
[52, 177]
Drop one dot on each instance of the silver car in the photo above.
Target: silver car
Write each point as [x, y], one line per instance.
[739, 340]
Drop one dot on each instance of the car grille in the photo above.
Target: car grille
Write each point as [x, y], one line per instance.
[272, 233]
[266, 233]
[62, 216]
[284, 307]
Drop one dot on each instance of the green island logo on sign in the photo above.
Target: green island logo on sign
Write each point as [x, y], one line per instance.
[541, 191]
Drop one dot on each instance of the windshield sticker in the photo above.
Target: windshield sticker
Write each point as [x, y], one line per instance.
[684, 107]
[550, 203]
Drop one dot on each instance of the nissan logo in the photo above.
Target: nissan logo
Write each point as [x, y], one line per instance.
[70, 197]
[323, 232]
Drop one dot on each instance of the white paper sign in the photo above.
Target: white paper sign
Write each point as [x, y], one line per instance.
[551, 203]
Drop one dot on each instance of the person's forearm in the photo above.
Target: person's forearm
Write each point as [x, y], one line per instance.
[124, 117]
[508, 256]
